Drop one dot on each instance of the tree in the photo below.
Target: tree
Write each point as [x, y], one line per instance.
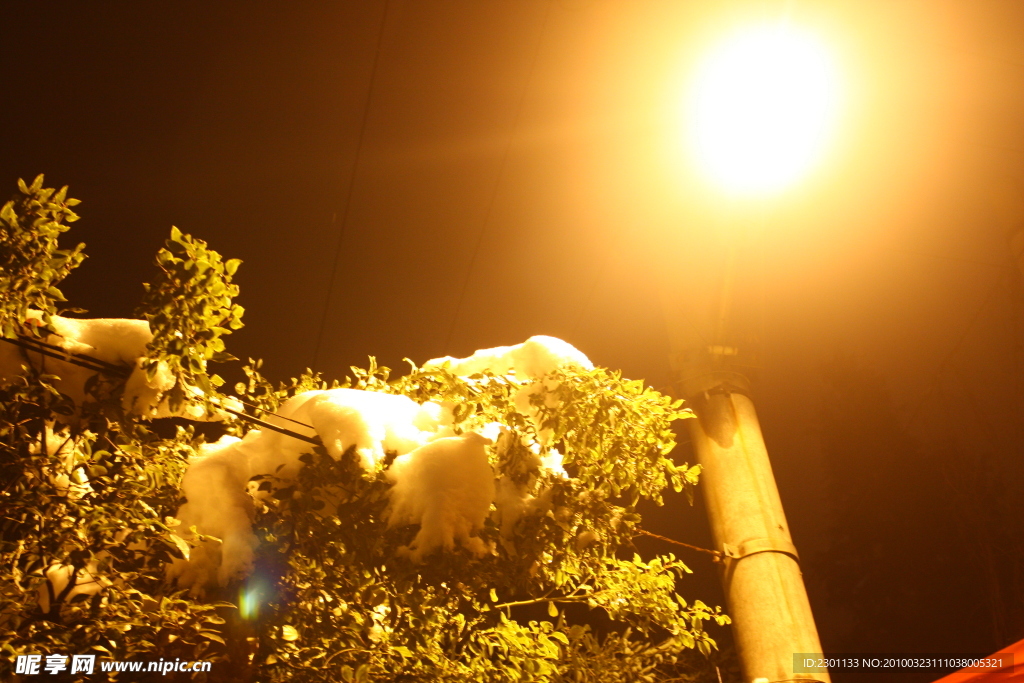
[345, 582]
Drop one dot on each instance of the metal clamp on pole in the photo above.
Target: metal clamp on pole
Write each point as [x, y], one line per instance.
[760, 545]
[693, 381]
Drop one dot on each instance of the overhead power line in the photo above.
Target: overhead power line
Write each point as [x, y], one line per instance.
[351, 186]
[122, 372]
[497, 181]
[936, 375]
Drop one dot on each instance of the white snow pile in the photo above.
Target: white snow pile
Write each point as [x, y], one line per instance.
[532, 359]
[113, 340]
[219, 506]
[446, 487]
[216, 482]
[442, 482]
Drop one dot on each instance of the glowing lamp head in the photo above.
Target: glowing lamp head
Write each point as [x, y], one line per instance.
[761, 107]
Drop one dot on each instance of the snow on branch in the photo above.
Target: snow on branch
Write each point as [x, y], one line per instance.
[440, 480]
[534, 358]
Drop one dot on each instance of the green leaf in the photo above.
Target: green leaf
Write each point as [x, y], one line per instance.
[182, 545]
[214, 636]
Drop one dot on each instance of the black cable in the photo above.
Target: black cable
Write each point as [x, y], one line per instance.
[351, 186]
[87, 362]
[717, 555]
[956, 347]
[64, 352]
[264, 410]
[497, 181]
[263, 423]
[102, 367]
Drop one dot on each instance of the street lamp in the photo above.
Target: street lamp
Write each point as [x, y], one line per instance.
[759, 112]
[761, 108]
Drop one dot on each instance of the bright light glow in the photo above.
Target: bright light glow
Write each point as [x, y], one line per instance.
[761, 108]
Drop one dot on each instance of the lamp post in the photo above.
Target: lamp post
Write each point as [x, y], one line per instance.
[760, 107]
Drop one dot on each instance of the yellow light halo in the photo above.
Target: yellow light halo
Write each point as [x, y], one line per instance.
[761, 107]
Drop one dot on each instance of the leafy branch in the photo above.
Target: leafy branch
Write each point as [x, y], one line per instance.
[31, 265]
[190, 308]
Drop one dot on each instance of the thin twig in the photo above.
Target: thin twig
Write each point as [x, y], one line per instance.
[537, 601]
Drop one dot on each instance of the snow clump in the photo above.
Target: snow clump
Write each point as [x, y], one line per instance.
[534, 358]
[216, 482]
[446, 487]
[218, 505]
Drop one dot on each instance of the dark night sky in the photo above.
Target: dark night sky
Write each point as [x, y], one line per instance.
[510, 169]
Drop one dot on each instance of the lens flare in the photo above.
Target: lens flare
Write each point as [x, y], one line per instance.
[253, 595]
[761, 108]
